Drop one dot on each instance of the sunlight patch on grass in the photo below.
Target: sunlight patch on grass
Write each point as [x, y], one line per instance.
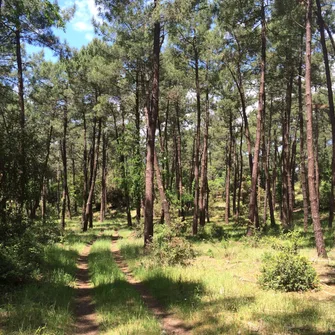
[119, 306]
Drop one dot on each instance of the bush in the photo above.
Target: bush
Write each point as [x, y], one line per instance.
[170, 247]
[287, 271]
[21, 254]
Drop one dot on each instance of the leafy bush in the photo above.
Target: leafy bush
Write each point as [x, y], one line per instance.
[170, 247]
[21, 254]
[287, 271]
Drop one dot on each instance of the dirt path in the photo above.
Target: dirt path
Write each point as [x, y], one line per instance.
[170, 323]
[86, 318]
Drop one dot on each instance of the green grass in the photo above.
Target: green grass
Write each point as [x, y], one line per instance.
[42, 306]
[219, 294]
[118, 305]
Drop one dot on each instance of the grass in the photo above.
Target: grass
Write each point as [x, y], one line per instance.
[219, 294]
[118, 304]
[43, 305]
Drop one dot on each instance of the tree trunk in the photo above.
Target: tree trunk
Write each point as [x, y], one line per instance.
[22, 193]
[204, 163]
[65, 191]
[261, 109]
[85, 169]
[164, 202]
[331, 108]
[227, 212]
[152, 114]
[88, 211]
[286, 175]
[179, 174]
[319, 241]
[197, 146]
[302, 150]
[103, 178]
[75, 204]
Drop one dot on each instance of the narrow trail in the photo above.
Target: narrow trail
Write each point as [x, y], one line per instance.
[86, 318]
[169, 322]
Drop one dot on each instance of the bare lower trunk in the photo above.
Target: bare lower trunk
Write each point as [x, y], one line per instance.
[261, 108]
[319, 241]
[227, 211]
[85, 170]
[164, 202]
[197, 148]
[204, 162]
[88, 211]
[152, 114]
[331, 107]
[103, 179]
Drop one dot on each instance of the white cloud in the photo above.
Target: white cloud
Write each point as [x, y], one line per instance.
[89, 36]
[82, 26]
[86, 10]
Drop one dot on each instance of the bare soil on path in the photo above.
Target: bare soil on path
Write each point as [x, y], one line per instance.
[170, 323]
[86, 318]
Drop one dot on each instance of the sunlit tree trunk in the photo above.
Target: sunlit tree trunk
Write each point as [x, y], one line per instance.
[319, 241]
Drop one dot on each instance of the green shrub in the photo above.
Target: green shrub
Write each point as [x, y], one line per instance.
[170, 247]
[21, 254]
[287, 271]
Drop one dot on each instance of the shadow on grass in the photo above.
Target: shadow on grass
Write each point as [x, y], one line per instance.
[294, 322]
[175, 292]
[42, 305]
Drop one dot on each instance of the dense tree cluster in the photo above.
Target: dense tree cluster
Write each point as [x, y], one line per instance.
[175, 105]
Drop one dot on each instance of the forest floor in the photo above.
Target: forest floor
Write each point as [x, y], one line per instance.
[133, 294]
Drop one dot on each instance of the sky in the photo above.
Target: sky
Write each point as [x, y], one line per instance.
[79, 30]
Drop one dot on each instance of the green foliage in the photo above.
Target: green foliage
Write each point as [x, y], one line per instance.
[287, 271]
[21, 254]
[170, 247]
[325, 190]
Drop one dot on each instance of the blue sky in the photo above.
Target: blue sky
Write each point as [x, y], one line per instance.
[79, 31]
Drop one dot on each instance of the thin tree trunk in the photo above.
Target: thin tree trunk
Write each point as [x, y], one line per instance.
[75, 204]
[240, 177]
[22, 118]
[85, 169]
[164, 202]
[319, 241]
[152, 114]
[286, 175]
[331, 107]
[88, 211]
[204, 163]
[197, 146]
[179, 165]
[103, 178]
[227, 211]
[302, 150]
[261, 112]
[65, 191]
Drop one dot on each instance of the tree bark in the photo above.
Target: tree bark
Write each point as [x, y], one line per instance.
[65, 192]
[197, 145]
[88, 211]
[331, 108]
[319, 241]
[85, 169]
[179, 171]
[152, 114]
[227, 211]
[261, 108]
[162, 195]
[22, 193]
[103, 179]
[204, 163]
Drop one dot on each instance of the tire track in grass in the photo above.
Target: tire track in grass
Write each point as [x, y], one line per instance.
[86, 317]
[170, 323]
